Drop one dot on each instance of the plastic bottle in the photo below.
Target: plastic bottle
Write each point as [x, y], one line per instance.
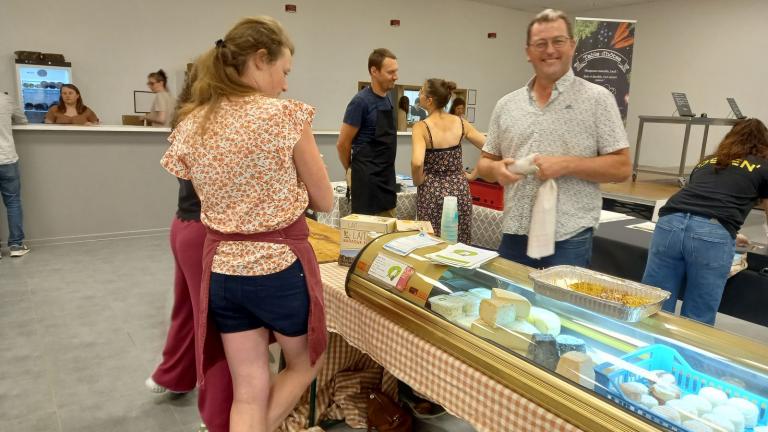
[449, 221]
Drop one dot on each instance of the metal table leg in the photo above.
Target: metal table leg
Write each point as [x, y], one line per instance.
[684, 156]
[704, 142]
[312, 402]
[637, 149]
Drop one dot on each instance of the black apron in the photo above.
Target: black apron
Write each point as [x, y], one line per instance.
[373, 169]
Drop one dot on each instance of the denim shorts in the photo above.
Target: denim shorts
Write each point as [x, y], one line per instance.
[277, 301]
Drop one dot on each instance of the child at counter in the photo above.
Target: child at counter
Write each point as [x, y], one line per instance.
[71, 109]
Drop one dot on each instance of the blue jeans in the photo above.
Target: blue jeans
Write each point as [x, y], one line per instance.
[10, 188]
[576, 250]
[695, 252]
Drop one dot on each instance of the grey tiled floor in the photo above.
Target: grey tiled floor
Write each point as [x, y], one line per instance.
[83, 324]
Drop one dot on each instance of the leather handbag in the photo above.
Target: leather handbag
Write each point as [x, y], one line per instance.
[386, 415]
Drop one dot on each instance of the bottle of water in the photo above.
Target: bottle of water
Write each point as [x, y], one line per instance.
[449, 222]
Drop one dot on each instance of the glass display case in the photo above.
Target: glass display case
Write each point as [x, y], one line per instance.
[599, 373]
[39, 87]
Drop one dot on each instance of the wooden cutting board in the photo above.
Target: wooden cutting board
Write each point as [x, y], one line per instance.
[325, 241]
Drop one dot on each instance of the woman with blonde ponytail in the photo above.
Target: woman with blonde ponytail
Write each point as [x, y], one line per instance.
[254, 163]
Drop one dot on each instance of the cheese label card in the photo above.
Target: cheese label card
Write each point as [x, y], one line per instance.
[388, 270]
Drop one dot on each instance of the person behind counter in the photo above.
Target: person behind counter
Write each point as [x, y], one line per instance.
[162, 106]
[458, 107]
[436, 162]
[696, 234]
[367, 144]
[71, 109]
[402, 113]
[256, 168]
[176, 372]
[574, 129]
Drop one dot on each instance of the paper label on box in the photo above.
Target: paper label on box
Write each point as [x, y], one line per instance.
[353, 239]
[389, 271]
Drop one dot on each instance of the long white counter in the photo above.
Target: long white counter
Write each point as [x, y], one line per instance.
[123, 128]
[94, 128]
[91, 182]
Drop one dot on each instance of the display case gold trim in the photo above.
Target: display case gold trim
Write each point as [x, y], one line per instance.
[583, 409]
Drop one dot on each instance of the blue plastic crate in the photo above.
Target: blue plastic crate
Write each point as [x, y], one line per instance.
[662, 357]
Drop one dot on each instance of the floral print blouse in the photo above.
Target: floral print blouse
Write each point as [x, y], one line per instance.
[242, 168]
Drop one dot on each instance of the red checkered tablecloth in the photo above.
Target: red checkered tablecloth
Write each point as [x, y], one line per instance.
[460, 389]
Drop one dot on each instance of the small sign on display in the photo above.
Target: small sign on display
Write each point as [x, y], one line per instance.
[683, 107]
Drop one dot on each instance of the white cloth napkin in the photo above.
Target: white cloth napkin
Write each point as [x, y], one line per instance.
[541, 232]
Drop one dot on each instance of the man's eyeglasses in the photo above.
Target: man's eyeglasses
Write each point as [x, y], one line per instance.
[557, 43]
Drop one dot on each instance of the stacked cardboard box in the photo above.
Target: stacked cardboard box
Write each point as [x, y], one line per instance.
[355, 231]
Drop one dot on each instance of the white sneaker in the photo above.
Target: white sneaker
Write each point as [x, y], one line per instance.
[19, 250]
[154, 387]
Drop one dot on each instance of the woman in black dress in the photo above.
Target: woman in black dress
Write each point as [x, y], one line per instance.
[436, 162]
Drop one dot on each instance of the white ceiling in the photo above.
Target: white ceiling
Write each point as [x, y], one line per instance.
[570, 7]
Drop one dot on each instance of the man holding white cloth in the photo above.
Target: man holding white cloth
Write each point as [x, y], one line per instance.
[573, 133]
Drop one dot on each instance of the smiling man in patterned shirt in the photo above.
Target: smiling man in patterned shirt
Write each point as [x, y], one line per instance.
[575, 128]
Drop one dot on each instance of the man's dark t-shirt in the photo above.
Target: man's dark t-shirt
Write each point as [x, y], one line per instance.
[362, 113]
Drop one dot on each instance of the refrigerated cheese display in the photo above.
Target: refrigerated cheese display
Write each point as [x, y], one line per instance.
[594, 367]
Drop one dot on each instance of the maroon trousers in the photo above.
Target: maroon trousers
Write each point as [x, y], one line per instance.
[177, 370]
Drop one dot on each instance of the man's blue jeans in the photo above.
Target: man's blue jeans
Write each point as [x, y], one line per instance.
[10, 188]
[695, 252]
[576, 250]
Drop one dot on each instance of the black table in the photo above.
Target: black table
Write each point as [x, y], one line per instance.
[621, 251]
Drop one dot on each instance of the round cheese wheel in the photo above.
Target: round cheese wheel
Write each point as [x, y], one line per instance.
[702, 405]
[731, 413]
[667, 413]
[634, 390]
[714, 396]
[719, 422]
[747, 409]
[665, 392]
[648, 401]
[687, 410]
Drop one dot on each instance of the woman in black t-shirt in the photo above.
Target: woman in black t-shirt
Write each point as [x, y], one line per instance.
[695, 237]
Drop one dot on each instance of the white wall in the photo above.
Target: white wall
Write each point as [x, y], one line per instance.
[711, 50]
[708, 48]
[114, 44]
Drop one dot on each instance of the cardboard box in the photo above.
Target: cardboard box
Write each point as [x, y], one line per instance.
[412, 225]
[354, 233]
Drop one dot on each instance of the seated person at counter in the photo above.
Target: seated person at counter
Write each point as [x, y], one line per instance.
[694, 241]
[164, 103]
[458, 107]
[71, 109]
